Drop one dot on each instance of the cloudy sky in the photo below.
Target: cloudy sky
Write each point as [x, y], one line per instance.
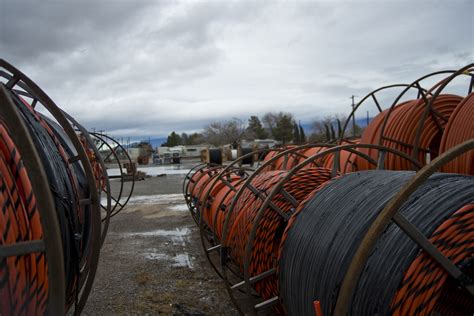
[144, 68]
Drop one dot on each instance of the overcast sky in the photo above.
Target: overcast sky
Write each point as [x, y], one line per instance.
[144, 68]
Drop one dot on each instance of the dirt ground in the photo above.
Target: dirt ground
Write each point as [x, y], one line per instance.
[152, 261]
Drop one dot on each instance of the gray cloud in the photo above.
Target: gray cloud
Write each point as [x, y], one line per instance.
[139, 68]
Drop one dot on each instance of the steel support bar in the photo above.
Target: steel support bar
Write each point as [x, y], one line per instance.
[414, 233]
[22, 248]
[254, 279]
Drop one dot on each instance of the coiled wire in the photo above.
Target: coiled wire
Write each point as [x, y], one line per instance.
[460, 128]
[23, 279]
[213, 209]
[401, 127]
[321, 238]
[271, 226]
[74, 220]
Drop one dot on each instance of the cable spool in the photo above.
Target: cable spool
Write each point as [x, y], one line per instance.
[244, 151]
[25, 286]
[347, 159]
[215, 199]
[187, 182]
[110, 150]
[98, 167]
[215, 156]
[284, 162]
[268, 234]
[74, 221]
[229, 266]
[65, 187]
[435, 251]
[401, 127]
[371, 135]
[460, 128]
[197, 185]
[378, 104]
[279, 190]
[215, 202]
[313, 265]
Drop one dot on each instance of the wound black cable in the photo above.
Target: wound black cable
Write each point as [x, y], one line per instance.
[321, 239]
[64, 195]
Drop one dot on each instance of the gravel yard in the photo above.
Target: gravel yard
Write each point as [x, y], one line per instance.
[152, 261]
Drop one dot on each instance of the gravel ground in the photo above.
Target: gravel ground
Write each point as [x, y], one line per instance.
[152, 261]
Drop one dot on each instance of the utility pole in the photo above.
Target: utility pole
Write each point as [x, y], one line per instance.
[353, 116]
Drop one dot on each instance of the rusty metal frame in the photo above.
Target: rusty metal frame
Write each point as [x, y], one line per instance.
[286, 153]
[278, 189]
[390, 213]
[108, 207]
[51, 231]
[372, 96]
[207, 235]
[118, 205]
[18, 79]
[438, 87]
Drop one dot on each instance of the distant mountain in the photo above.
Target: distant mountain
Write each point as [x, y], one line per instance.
[154, 142]
[362, 122]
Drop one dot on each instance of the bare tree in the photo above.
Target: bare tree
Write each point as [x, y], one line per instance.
[327, 128]
[227, 132]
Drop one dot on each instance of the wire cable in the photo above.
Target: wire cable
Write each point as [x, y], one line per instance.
[23, 279]
[460, 128]
[321, 238]
[271, 226]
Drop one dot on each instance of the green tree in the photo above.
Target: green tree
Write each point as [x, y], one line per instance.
[283, 130]
[184, 139]
[302, 134]
[195, 139]
[255, 129]
[296, 134]
[173, 140]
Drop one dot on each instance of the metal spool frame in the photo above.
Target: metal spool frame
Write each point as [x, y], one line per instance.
[250, 172]
[108, 207]
[423, 93]
[187, 181]
[194, 207]
[373, 97]
[19, 80]
[51, 243]
[286, 153]
[429, 111]
[118, 205]
[207, 235]
[391, 213]
[335, 150]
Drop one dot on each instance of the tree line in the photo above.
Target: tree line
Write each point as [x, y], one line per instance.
[280, 126]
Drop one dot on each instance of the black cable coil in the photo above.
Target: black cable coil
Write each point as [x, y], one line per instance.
[322, 239]
[248, 160]
[215, 156]
[73, 219]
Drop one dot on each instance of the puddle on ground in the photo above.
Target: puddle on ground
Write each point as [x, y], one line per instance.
[179, 207]
[152, 199]
[177, 236]
[179, 260]
[154, 170]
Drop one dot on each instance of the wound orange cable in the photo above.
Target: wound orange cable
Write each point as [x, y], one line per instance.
[402, 124]
[460, 128]
[271, 226]
[23, 279]
[425, 284]
[214, 209]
